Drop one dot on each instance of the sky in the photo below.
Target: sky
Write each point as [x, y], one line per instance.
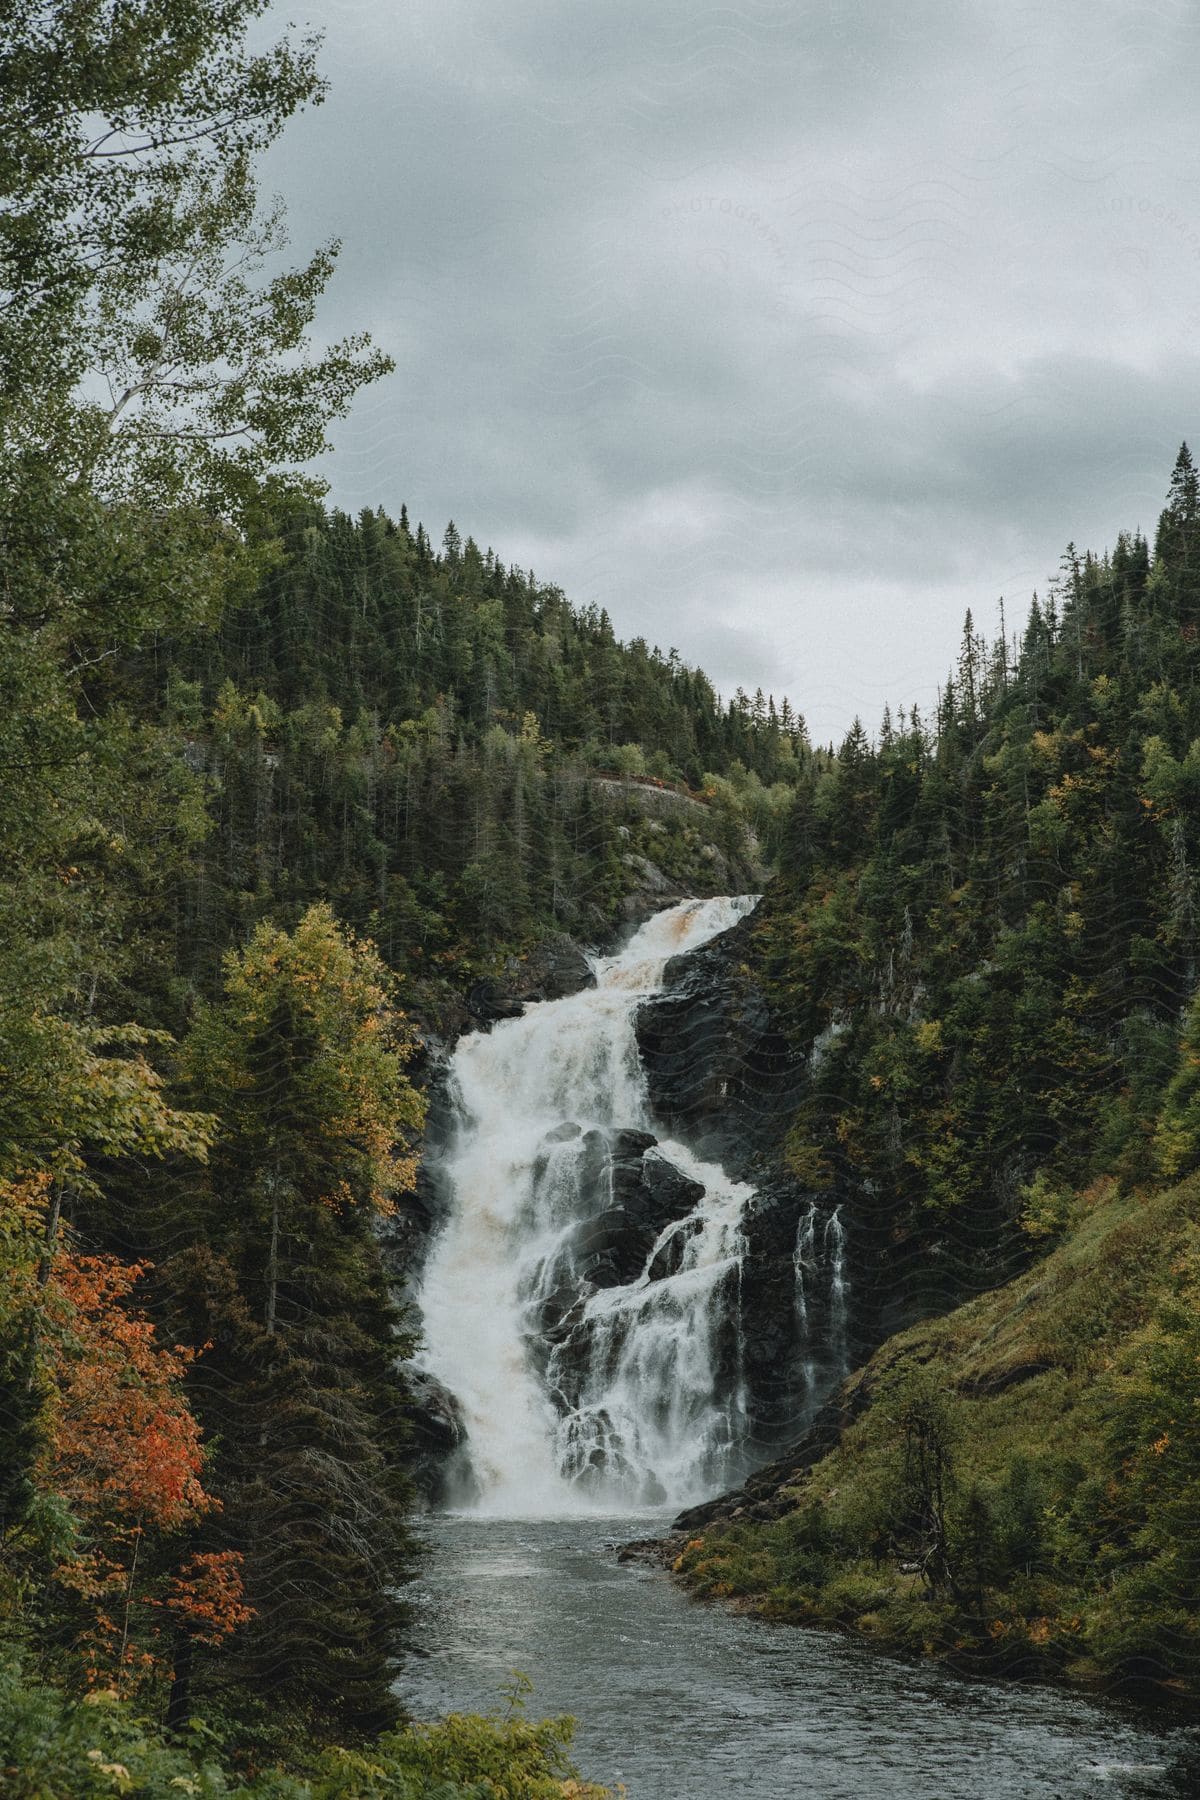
[786, 332]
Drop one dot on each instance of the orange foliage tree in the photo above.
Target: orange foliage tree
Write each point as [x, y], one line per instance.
[122, 1452]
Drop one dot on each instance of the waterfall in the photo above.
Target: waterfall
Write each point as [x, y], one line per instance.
[581, 1301]
[804, 1262]
[839, 1287]
[822, 1294]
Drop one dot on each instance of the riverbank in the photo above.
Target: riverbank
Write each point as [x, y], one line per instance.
[1002, 1490]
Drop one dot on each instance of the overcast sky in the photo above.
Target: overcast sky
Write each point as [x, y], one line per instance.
[784, 331]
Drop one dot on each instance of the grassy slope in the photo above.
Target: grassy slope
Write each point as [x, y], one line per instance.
[1044, 1392]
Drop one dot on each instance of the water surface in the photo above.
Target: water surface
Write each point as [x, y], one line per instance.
[689, 1702]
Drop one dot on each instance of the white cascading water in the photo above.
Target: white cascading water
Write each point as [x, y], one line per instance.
[839, 1286]
[819, 1261]
[578, 1396]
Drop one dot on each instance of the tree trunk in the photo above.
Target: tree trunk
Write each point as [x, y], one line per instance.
[45, 1264]
[179, 1698]
[273, 1260]
[129, 1585]
[51, 1244]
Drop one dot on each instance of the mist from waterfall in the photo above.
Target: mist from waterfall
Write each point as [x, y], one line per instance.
[581, 1391]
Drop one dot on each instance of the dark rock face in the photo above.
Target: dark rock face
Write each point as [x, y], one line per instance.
[490, 1000]
[719, 1073]
[723, 1078]
[555, 969]
[761, 1496]
[765, 1494]
[649, 1199]
[672, 1193]
[438, 1437]
[668, 1258]
[649, 1193]
[405, 1236]
[551, 971]
[779, 1358]
[628, 1152]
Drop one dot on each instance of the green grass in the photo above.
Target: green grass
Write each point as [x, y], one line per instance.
[1068, 1404]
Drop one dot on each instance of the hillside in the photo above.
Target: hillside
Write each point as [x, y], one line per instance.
[290, 845]
[984, 942]
[979, 968]
[1012, 1487]
[441, 746]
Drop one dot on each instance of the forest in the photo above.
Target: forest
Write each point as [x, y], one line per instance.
[275, 784]
[278, 785]
[984, 942]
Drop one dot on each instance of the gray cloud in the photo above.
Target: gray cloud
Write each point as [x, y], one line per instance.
[785, 332]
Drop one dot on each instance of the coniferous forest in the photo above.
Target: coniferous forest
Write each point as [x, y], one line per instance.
[987, 927]
[280, 787]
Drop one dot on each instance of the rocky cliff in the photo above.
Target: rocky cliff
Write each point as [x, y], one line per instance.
[723, 1079]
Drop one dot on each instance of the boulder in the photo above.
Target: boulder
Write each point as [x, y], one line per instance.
[627, 1150]
[672, 1193]
[552, 970]
[668, 1258]
[649, 890]
[433, 1412]
[648, 1193]
[650, 877]
[490, 1000]
[438, 1461]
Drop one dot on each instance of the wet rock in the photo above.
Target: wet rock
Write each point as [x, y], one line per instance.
[718, 1070]
[433, 1412]
[438, 1433]
[672, 1192]
[562, 1310]
[723, 1078]
[491, 1000]
[628, 1151]
[404, 1236]
[648, 1193]
[668, 1258]
[568, 1303]
[769, 1487]
[592, 1146]
[606, 1251]
[552, 971]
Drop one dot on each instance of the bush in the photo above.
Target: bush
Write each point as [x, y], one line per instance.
[511, 1758]
[53, 1748]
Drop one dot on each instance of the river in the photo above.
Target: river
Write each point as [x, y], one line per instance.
[685, 1701]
